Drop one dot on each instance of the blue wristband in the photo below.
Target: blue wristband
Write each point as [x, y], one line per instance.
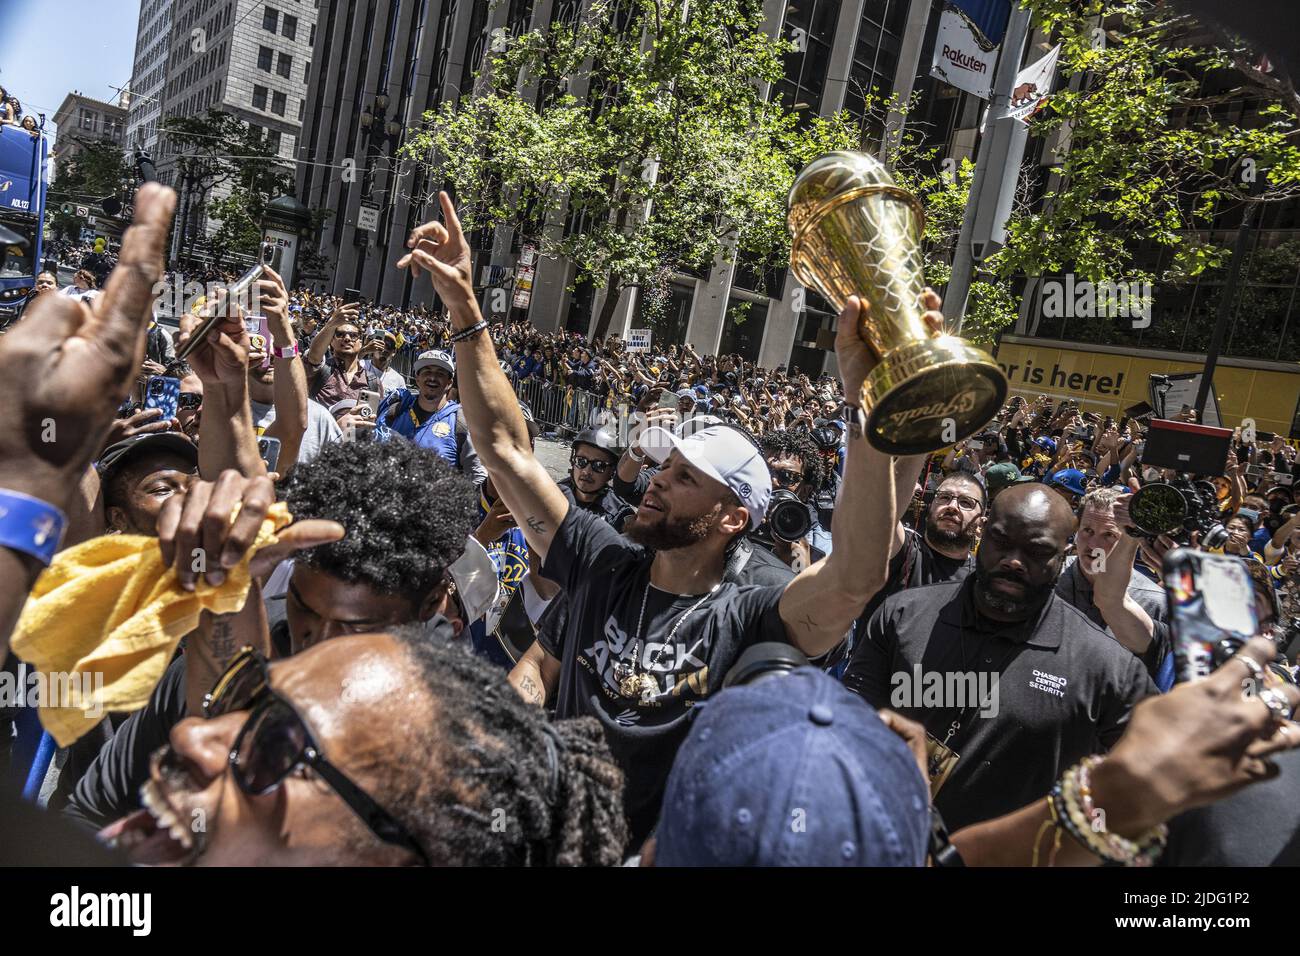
[30, 525]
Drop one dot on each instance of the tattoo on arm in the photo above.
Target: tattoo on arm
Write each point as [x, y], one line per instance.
[222, 640]
[530, 692]
[538, 527]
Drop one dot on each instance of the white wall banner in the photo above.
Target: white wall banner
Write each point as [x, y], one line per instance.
[962, 56]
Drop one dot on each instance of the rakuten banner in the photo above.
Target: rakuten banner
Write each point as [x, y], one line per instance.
[963, 56]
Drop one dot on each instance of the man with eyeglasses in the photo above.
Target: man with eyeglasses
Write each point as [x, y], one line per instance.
[189, 404]
[592, 462]
[405, 767]
[796, 467]
[333, 360]
[942, 550]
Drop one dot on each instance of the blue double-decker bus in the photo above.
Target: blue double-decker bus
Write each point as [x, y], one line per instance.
[22, 211]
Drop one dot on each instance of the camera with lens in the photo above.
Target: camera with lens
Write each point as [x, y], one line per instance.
[1177, 509]
[761, 661]
[788, 519]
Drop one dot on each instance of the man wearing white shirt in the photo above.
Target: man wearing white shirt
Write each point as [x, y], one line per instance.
[380, 349]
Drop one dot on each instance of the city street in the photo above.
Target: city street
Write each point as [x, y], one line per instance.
[554, 455]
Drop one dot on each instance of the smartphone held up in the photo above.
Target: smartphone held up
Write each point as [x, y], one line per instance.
[242, 294]
[1211, 610]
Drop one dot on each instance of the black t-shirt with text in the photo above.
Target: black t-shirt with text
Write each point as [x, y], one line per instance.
[607, 576]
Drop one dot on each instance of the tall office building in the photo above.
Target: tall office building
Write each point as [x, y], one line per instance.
[248, 58]
[383, 63]
[148, 73]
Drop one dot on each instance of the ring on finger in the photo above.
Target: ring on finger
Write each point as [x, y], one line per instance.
[1276, 702]
[1256, 671]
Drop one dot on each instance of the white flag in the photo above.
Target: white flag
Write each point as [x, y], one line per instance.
[1033, 85]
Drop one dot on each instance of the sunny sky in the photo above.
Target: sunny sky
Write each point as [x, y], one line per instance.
[48, 48]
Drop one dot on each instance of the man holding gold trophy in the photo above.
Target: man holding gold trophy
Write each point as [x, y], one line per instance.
[654, 622]
[855, 233]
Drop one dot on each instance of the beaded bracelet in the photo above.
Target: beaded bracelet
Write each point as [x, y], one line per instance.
[1072, 799]
[470, 332]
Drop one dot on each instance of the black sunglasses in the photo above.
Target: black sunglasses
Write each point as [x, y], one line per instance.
[275, 739]
[785, 476]
[189, 400]
[599, 467]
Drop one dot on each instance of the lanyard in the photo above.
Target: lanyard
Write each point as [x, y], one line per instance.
[964, 713]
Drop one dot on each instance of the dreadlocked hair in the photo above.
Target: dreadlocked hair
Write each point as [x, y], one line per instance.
[407, 513]
[795, 443]
[497, 798]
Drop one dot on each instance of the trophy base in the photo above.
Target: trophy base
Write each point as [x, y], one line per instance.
[927, 395]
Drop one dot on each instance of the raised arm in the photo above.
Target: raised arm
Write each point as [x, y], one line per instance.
[496, 425]
[226, 440]
[321, 342]
[906, 473]
[820, 605]
[63, 370]
[289, 386]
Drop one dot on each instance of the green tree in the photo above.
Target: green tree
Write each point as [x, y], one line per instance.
[1172, 129]
[218, 150]
[97, 171]
[645, 123]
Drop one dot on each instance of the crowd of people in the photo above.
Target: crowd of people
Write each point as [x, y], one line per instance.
[363, 625]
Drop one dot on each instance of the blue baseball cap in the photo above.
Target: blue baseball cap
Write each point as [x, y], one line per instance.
[794, 770]
[701, 390]
[1071, 479]
[1045, 443]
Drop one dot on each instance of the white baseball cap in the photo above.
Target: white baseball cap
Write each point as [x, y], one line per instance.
[689, 426]
[476, 580]
[725, 455]
[437, 359]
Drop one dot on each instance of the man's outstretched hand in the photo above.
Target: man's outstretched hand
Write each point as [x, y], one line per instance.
[440, 249]
[67, 366]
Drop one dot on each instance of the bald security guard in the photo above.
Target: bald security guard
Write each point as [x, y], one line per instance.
[1012, 683]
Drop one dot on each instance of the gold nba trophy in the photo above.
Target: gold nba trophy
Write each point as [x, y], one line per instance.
[856, 233]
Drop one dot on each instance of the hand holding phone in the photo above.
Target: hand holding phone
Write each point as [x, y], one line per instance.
[163, 394]
[1211, 609]
[231, 303]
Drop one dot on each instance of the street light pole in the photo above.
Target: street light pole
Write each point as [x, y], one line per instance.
[1227, 298]
[996, 128]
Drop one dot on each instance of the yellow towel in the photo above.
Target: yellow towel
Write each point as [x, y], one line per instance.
[108, 607]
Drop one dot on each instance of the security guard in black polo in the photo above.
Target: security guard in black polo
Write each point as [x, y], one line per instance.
[1064, 689]
[591, 466]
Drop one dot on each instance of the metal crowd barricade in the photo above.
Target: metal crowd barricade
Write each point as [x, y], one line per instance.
[567, 410]
[404, 360]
